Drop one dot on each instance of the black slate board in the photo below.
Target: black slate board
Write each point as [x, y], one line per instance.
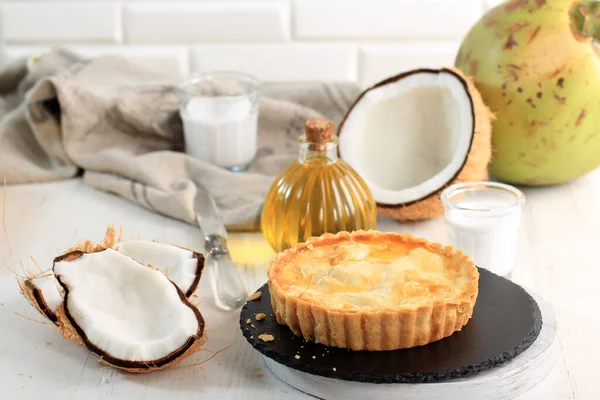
[506, 321]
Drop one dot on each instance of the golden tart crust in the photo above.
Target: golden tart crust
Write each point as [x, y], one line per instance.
[369, 290]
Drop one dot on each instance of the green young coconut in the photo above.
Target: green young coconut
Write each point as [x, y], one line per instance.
[538, 69]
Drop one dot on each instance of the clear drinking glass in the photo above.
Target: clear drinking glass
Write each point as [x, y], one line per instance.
[220, 118]
[482, 220]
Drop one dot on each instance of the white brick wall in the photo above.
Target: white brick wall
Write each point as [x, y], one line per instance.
[206, 22]
[57, 21]
[379, 61]
[280, 62]
[384, 19]
[361, 40]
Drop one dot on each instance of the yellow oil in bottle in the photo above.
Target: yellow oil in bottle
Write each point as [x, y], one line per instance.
[319, 193]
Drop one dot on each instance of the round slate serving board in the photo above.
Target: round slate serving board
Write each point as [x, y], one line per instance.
[506, 321]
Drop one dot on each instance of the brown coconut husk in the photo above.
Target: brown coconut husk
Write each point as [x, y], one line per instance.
[65, 328]
[109, 241]
[34, 296]
[474, 167]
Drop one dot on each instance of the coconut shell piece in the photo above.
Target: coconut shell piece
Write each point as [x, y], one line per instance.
[474, 165]
[47, 295]
[72, 322]
[36, 289]
[182, 266]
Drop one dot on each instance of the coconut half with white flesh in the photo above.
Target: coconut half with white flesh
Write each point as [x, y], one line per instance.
[183, 267]
[131, 316]
[44, 293]
[412, 135]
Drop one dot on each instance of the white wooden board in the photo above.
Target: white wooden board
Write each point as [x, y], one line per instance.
[558, 258]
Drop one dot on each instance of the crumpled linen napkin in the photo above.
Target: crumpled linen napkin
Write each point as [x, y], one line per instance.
[117, 123]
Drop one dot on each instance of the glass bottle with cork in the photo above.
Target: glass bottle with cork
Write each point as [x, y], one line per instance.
[317, 194]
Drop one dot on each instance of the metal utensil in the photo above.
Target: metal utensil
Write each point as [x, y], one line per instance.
[228, 289]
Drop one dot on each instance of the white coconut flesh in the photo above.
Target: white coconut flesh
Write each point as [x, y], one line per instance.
[409, 137]
[128, 313]
[46, 293]
[182, 266]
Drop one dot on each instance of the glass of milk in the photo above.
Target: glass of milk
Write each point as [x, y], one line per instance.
[220, 118]
[482, 220]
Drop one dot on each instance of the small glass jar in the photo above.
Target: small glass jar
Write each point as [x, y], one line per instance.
[482, 220]
[319, 193]
[220, 118]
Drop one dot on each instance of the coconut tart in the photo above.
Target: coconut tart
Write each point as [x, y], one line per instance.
[369, 290]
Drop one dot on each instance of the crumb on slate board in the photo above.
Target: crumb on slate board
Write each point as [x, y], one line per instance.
[260, 316]
[265, 337]
[254, 296]
[248, 321]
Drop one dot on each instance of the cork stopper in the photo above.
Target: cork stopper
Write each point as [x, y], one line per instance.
[319, 130]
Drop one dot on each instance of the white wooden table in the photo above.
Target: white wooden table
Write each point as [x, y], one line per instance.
[558, 258]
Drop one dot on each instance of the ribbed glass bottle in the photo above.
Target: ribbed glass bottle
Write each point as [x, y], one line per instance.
[319, 193]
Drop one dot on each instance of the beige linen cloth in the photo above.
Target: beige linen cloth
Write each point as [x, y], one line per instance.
[117, 123]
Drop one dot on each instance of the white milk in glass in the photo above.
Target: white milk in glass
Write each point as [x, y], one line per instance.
[220, 117]
[484, 222]
[222, 132]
